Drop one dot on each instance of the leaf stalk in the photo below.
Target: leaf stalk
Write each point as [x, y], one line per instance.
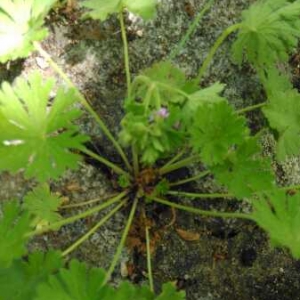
[214, 49]
[202, 212]
[83, 101]
[122, 242]
[93, 229]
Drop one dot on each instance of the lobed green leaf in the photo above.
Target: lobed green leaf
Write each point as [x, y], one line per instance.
[35, 134]
[14, 225]
[101, 9]
[269, 31]
[245, 171]
[43, 205]
[21, 23]
[216, 130]
[21, 279]
[279, 214]
[283, 114]
[80, 283]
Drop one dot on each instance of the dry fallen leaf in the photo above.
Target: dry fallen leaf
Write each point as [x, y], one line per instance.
[188, 235]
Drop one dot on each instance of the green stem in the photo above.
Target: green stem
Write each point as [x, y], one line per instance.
[214, 49]
[126, 54]
[92, 230]
[149, 266]
[202, 212]
[83, 101]
[190, 30]
[85, 202]
[250, 108]
[196, 177]
[106, 162]
[149, 82]
[180, 164]
[291, 187]
[122, 242]
[195, 195]
[56, 225]
[172, 89]
[174, 159]
[135, 158]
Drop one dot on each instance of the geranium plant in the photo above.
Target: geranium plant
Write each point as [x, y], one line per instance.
[170, 122]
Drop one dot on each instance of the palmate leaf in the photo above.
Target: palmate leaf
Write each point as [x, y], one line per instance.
[21, 23]
[209, 95]
[245, 171]
[279, 214]
[20, 281]
[80, 283]
[160, 85]
[216, 130]
[36, 134]
[283, 114]
[275, 81]
[43, 205]
[14, 224]
[101, 9]
[269, 31]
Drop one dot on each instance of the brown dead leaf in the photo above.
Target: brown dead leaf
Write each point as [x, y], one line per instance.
[189, 236]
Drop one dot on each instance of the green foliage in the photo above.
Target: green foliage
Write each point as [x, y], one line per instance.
[216, 130]
[43, 205]
[154, 133]
[169, 293]
[124, 181]
[161, 188]
[269, 31]
[14, 225]
[274, 82]
[166, 113]
[283, 114]
[160, 85]
[279, 214]
[244, 171]
[35, 133]
[21, 24]
[209, 95]
[101, 9]
[80, 283]
[20, 281]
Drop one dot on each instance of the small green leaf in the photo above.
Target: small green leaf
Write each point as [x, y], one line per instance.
[14, 225]
[35, 134]
[101, 9]
[245, 171]
[124, 181]
[43, 205]
[143, 8]
[275, 81]
[269, 31]
[279, 214]
[76, 283]
[20, 281]
[216, 130]
[21, 24]
[169, 293]
[208, 95]
[283, 114]
[160, 85]
[161, 188]
[80, 283]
